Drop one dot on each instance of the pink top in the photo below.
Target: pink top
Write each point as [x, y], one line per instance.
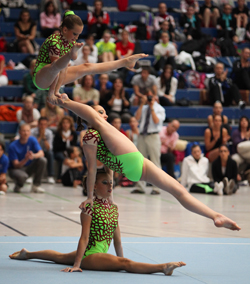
[167, 140]
[50, 21]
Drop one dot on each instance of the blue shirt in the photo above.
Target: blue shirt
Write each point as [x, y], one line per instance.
[4, 164]
[109, 85]
[17, 151]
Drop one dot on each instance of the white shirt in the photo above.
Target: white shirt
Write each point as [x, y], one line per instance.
[36, 114]
[162, 90]
[117, 105]
[193, 172]
[152, 127]
[80, 60]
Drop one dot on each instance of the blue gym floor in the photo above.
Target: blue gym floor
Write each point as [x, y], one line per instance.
[209, 260]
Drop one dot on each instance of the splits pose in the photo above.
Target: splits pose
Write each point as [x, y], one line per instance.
[99, 227]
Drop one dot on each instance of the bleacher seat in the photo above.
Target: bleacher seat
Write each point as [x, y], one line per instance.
[15, 56]
[16, 75]
[15, 12]
[7, 127]
[11, 91]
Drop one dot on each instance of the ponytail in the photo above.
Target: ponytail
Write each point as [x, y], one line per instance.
[79, 122]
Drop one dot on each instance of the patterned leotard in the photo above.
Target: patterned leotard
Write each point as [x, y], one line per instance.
[103, 225]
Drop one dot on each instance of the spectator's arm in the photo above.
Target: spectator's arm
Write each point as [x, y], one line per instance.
[236, 138]
[39, 154]
[42, 20]
[154, 90]
[210, 121]
[72, 164]
[118, 54]
[139, 110]
[209, 144]
[58, 20]
[19, 164]
[2, 63]
[33, 33]
[18, 35]
[137, 91]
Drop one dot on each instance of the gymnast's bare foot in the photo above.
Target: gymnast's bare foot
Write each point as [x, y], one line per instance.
[74, 50]
[223, 221]
[131, 60]
[21, 255]
[169, 267]
[58, 99]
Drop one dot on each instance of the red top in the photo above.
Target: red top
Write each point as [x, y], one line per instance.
[3, 59]
[92, 19]
[124, 49]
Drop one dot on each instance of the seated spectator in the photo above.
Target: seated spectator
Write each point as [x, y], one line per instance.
[53, 113]
[222, 89]
[4, 164]
[133, 132]
[194, 174]
[26, 159]
[169, 137]
[50, 19]
[83, 56]
[86, 93]
[162, 16]
[190, 22]
[241, 70]
[214, 138]
[29, 114]
[29, 87]
[124, 48]
[164, 27]
[57, 4]
[72, 168]
[241, 14]
[3, 75]
[65, 137]
[224, 170]
[167, 86]
[185, 4]
[45, 138]
[164, 52]
[209, 14]
[98, 21]
[25, 32]
[90, 41]
[117, 123]
[106, 48]
[141, 83]
[117, 102]
[226, 24]
[104, 86]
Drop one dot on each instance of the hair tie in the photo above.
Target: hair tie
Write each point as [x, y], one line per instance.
[69, 13]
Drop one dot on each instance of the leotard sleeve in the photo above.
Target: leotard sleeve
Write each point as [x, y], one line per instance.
[92, 137]
[89, 212]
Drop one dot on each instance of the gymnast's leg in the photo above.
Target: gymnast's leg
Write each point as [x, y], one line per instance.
[159, 178]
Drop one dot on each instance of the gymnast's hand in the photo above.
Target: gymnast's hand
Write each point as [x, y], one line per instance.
[72, 269]
[84, 203]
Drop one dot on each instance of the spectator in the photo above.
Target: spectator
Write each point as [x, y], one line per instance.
[86, 93]
[53, 113]
[167, 86]
[191, 24]
[50, 19]
[214, 138]
[83, 56]
[65, 137]
[29, 87]
[94, 50]
[163, 15]
[117, 123]
[98, 20]
[194, 173]
[4, 164]
[72, 168]
[164, 52]
[25, 32]
[226, 24]
[224, 170]
[117, 102]
[169, 137]
[241, 13]
[57, 4]
[45, 138]
[133, 132]
[124, 48]
[3, 75]
[106, 48]
[150, 116]
[26, 159]
[209, 14]
[104, 86]
[222, 89]
[185, 4]
[241, 70]
[29, 114]
[164, 27]
[141, 83]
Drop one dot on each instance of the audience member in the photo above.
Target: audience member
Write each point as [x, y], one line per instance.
[167, 86]
[4, 164]
[72, 168]
[86, 93]
[117, 102]
[117, 123]
[194, 174]
[169, 137]
[57, 4]
[150, 116]
[165, 52]
[104, 86]
[90, 41]
[50, 19]
[214, 138]
[45, 138]
[65, 137]
[53, 113]
[29, 114]
[222, 89]
[141, 83]
[124, 47]
[224, 170]
[26, 159]
[164, 27]
[241, 13]
[162, 16]
[185, 4]
[133, 132]
[3, 75]
[106, 48]
[29, 87]
[83, 56]
[209, 14]
[98, 20]
[25, 32]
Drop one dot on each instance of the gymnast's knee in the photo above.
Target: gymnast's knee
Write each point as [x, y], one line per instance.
[125, 263]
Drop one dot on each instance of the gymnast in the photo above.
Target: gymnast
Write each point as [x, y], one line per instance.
[99, 227]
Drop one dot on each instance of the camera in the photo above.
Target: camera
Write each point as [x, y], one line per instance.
[150, 98]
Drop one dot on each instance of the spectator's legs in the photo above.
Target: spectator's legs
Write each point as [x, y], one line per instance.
[206, 17]
[216, 15]
[202, 188]
[213, 155]
[170, 60]
[238, 159]
[59, 157]
[168, 159]
[165, 101]
[111, 56]
[232, 94]
[50, 162]
[36, 169]
[243, 83]
[215, 95]
[160, 64]
[19, 176]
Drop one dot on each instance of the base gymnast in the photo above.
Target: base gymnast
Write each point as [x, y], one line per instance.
[93, 244]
